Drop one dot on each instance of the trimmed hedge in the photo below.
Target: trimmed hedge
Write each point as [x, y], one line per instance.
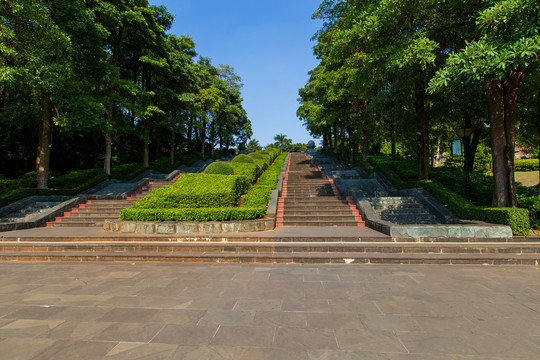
[194, 191]
[526, 165]
[242, 158]
[194, 214]
[201, 197]
[517, 219]
[219, 167]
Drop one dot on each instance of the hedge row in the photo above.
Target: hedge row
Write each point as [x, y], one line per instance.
[194, 191]
[517, 219]
[526, 165]
[73, 183]
[210, 196]
[193, 214]
[259, 194]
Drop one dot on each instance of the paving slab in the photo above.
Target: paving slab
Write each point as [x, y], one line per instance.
[201, 311]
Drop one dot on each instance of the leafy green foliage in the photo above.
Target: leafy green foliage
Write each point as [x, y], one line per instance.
[203, 197]
[526, 165]
[449, 189]
[242, 158]
[219, 167]
[194, 191]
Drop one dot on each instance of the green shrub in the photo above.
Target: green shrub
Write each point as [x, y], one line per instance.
[193, 214]
[517, 219]
[256, 156]
[531, 203]
[242, 158]
[526, 165]
[74, 178]
[257, 196]
[219, 167]
[250, 171]
[182, 200]
[195, 191]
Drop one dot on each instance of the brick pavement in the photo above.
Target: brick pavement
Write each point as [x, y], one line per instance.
[197, 311]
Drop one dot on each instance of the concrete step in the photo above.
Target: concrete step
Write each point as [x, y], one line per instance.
[275, 257]
[274, 247]
[82, 223]
[307, 212]
[326, 218]
[311, 222]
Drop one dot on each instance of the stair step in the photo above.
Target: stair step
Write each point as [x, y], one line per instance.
[273, 247]
[320, 223]
[287, 257]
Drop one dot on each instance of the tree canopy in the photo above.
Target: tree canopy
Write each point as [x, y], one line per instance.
[413, 72]
[73, 72]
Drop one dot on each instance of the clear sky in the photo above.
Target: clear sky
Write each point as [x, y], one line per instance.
[268, 43]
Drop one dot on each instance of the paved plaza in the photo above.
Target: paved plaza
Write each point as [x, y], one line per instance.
[207, 311]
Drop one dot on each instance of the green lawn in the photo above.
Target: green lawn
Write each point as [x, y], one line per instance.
[527, 178]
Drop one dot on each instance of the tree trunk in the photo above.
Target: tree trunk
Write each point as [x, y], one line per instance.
[438, 156]
[342, 137]
[393, 138]
[110, 106]
[538, 129]
[146, 155]
[189, 134]
[511, 86]
[108, 153]
[96, 149]
[351, 145]
[365, 144]
[335, 140]
[203, 137]
[43, 158]
[173, 145]
[495, 103]
[422, 127]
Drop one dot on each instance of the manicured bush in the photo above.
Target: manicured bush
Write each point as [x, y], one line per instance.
[257, 196]
[195, 191]
[219, 167]
[256, 156]
[517, 219]
[526, 165]
[242, 158]
[531, 203]
[169, 203]
[250, 171]
[193, 214]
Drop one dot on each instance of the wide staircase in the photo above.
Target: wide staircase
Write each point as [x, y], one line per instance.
[402, 210]
[309, 199]
[310, 211]
[95, 212]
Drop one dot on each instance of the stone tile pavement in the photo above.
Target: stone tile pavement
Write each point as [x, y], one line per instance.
[198, 311]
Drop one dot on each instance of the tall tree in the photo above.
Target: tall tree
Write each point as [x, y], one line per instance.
[501, 58]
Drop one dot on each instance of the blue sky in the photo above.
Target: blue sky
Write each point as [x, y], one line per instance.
[267, 43]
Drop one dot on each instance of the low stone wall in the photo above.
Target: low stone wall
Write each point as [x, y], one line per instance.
[188, 227]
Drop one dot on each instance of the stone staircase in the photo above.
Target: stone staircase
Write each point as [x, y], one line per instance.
[402, 210]
[309, 213]
[308, 249]
[309, 199]
[95, 212]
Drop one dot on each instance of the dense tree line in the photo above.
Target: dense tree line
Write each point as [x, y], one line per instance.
[410, 73]
[91, 81]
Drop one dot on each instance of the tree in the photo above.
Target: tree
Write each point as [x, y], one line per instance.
[501, 58]
[253, 145]
[282, 141]
[44, 62]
